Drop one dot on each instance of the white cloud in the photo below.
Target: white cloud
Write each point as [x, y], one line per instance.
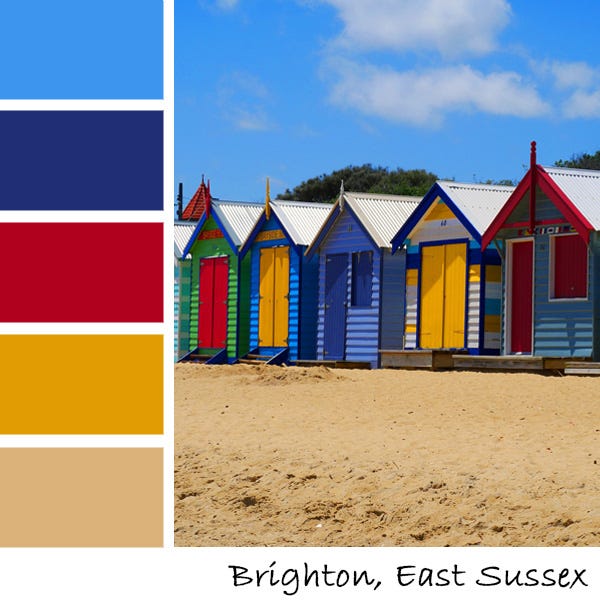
[226, 5]
[425, 98]
[582, 104]
[453, 27]
[573, 74]
[579, 84]
[243, 100]
[250, 119]
[567, 74]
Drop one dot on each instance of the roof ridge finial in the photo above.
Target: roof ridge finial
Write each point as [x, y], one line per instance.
[207, 199]
[533, 156]
[268, 201]
[342, 195]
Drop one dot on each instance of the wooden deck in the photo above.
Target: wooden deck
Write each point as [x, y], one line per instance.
[456, 360]
[426, 359]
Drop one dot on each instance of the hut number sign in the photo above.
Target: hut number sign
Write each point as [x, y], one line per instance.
[547, 230]
[269, 235]
[210, 234]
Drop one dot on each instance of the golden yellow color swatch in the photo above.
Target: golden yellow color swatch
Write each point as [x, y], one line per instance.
[81, 497]
[81, 384]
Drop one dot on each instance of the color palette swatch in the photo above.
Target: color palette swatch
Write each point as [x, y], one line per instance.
[105, 497]
[84, 384]
[81, 160]
[68, 49]
[81, 272]
[82, 391]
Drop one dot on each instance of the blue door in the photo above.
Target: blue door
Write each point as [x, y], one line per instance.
[336, 287]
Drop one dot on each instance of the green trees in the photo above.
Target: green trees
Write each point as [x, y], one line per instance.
[363, 178]
[582, 161]
[414, 182]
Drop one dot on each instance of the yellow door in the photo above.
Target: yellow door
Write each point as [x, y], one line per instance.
[266, 297]
[455, 286]
[273, 293]
[432, 297]
[443, 294]
[281, 301]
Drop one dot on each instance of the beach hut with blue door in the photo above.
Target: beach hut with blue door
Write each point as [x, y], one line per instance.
[283, 282]
[549, 234]
[452, 286]
[361, 285]
[219, 285]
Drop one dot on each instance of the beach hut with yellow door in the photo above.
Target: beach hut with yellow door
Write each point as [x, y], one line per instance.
[453, 287]
[283, 283]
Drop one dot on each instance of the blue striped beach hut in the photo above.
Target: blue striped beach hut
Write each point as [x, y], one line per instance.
[361, 285]
[283, 282]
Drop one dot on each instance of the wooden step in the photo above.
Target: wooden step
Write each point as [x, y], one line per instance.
[332, 363]
[198, 357]
[583, 368]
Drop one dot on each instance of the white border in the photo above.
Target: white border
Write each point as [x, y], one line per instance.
[169, 239]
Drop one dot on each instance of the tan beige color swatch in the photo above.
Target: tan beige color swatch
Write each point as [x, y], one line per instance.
[65, 497]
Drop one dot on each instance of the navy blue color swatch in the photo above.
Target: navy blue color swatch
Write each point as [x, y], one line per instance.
[81, 160]
[81, 49]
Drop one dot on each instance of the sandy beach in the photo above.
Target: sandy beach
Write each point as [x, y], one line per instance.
[270, 456]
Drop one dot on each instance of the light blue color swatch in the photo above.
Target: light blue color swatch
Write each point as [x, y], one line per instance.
[73, 49]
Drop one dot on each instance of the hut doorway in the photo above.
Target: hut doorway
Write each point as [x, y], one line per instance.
[273, 309]
[521, 296]
[443, 296]
[212, 302]
[336, 287]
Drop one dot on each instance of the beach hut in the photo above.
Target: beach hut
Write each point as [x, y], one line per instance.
[181, 289]
[283, 282]
[548, 233]
[361, 285]
[219, 286]
[452, 286]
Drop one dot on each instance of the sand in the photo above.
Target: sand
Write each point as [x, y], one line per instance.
[270, 456]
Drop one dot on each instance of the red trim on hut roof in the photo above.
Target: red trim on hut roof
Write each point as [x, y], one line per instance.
[198, 203]
[537, 176]
[517, 195]
[564, 204]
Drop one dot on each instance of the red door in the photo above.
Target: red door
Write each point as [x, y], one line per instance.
[212, 304]
[521, 323]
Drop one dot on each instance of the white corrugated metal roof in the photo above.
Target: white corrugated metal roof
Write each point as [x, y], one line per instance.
[183, 232]
[237, 217]
[480, 203]
[582, 186]
[301, 220]
[381, 215]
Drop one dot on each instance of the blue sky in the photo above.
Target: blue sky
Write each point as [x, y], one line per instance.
[291, 89]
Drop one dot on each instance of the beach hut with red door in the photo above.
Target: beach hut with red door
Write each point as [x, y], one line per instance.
[218, 297]
[548, 234]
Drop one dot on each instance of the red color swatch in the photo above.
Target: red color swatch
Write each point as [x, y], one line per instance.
[81, 272]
